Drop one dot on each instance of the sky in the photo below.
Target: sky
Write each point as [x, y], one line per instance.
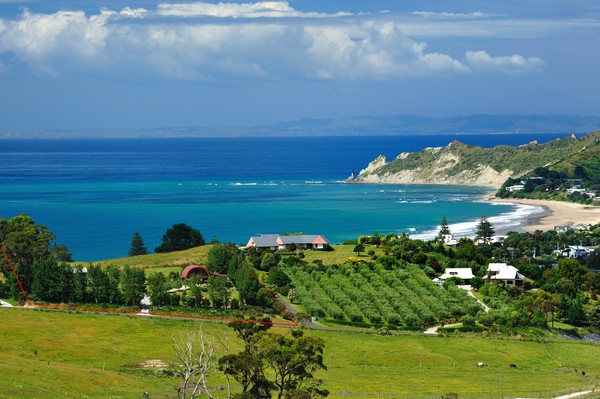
[137, 64]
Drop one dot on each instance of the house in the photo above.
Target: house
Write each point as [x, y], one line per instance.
[267, 241]
[562, 229]
[465, 274]
[280, 242]
[577, 251]
[450, 240]
[508, 274]
[199, 271]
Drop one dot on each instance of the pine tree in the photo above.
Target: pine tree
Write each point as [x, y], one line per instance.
[137, 245]
[444, 230]
[485, 230]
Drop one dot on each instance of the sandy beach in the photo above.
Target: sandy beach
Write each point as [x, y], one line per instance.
[557, 213]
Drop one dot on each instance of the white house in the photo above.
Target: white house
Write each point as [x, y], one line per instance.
[577, 251]
[508, 274]
[465, 274]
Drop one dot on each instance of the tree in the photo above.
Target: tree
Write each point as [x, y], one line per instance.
[268, 261]
[133, 285]
[358, 249]
[24, 241]
[180, 237]
[294, 361]
[248, 367]
[444, 231]
[137, 246]
[98, 285]
[218, 292]
[51, 282]
[157, 288]
[485, 230]
[219, 257]
[195, 360]
[61, 253]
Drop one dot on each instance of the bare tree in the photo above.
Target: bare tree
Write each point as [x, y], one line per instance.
[195, 354]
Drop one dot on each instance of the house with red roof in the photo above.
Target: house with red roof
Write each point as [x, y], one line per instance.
[279, 242]
[199, 271]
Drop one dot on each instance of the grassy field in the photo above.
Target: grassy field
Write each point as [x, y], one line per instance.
[170, 260]
[54, 355]
[176, 260]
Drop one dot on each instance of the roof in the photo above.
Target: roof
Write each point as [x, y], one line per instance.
[203, 270]
[464, 273]
[302, 239]
[276, 240]
[502, 271]
[267, 240]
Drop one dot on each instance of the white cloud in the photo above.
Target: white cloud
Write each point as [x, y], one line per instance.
[451, 15]
[270, 9]
[480, 61]
[264, 40]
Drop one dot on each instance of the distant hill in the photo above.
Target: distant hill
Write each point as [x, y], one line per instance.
[355, 126]
[462, 164]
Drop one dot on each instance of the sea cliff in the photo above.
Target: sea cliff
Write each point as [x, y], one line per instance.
[461, 164]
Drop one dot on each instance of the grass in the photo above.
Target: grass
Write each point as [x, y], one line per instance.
[198, 255]
[100, 356]
[174, 261]
[339, 254]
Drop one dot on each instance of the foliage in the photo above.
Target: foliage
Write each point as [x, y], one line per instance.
[219, 257]
[25, 242]
[444, 230]
[137, 246]
[180, 237]
[157, 288]
[375, 294]
[218, 292]
[133, 285]
[273, 362]
[485, 230]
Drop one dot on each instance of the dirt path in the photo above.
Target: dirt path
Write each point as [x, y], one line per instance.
[485, 307]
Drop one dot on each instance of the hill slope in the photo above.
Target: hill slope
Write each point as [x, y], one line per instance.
[462, 164]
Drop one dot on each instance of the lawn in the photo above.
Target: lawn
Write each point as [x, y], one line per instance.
[53, 355]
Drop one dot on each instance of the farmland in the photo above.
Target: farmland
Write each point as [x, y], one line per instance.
[54, 355]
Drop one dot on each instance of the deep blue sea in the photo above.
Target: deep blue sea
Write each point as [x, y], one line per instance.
[94, 194]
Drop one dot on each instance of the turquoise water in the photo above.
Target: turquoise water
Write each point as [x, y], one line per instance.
[94, 194]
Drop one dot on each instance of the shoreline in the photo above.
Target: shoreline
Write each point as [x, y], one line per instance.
[556, 213]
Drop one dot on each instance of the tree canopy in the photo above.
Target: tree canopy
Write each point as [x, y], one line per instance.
[137, 246]
[180, 237]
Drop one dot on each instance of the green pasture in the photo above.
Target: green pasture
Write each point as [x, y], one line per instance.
[179, 259]
[54, 355]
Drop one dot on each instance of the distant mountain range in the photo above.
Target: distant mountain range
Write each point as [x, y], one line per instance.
[354, 126]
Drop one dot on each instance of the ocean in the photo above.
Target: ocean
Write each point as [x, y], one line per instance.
[93, 194]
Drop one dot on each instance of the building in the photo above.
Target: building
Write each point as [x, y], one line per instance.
[465, 274]
[508, 274]
[199, 271]
[577, 251]
[280, 242]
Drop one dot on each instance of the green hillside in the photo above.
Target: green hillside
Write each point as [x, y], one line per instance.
[440, 165]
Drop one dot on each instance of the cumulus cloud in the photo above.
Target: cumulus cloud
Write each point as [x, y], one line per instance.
[514, 64]
[263, 40]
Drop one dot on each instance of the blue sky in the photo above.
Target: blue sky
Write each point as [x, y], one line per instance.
[82, 64]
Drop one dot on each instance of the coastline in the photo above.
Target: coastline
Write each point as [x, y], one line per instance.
[556, 213]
